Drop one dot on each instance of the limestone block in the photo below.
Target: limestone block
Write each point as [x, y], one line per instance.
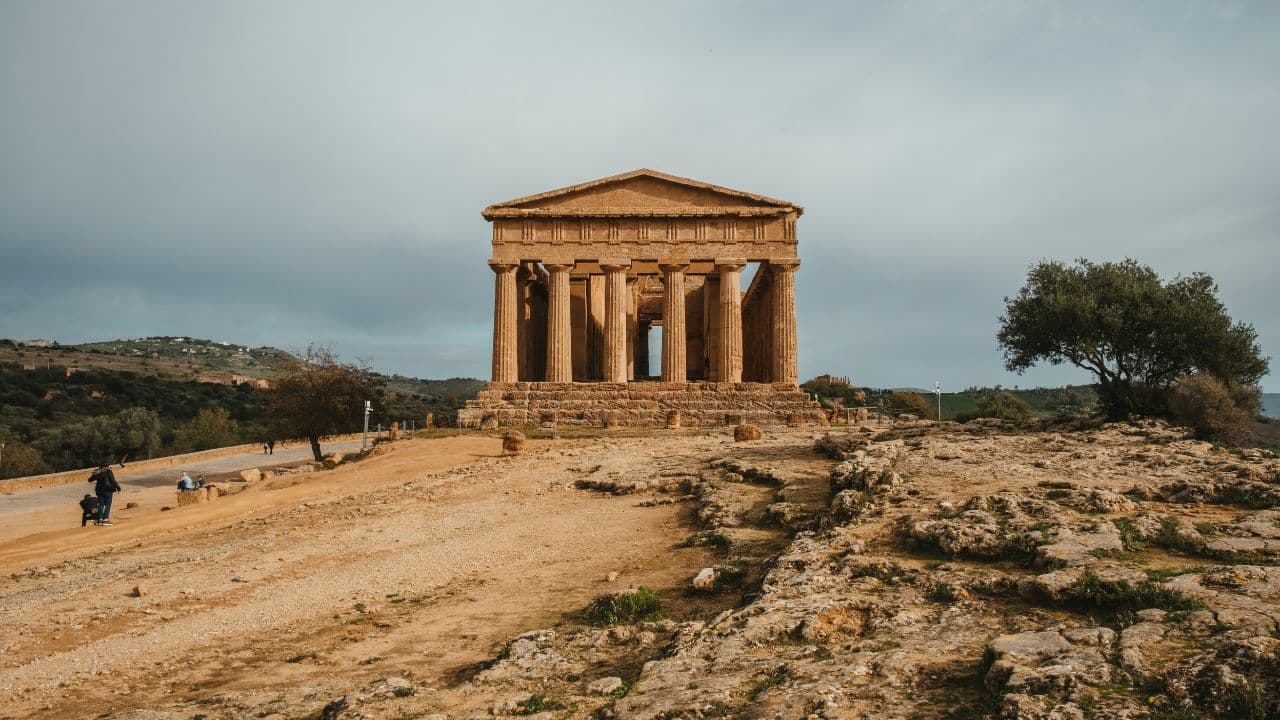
[513, 442]
[251, 475]
[673, 419]
[745, 432]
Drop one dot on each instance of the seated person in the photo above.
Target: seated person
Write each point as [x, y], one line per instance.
[88, 510]
[185, 483]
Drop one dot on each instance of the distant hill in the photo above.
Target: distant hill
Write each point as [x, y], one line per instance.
[200, 360]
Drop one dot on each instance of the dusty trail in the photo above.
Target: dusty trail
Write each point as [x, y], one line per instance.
[416, 561]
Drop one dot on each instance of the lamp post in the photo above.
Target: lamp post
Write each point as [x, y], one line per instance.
[368, 408]
[937, 390]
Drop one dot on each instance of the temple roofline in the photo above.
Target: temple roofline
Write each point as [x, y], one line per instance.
[503, 209]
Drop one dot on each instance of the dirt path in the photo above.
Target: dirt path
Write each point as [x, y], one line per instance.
[416, 562]
[57, 503]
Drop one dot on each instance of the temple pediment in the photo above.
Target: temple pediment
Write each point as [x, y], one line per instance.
[642, 193]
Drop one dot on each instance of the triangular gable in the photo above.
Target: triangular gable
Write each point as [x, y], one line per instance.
[643, 191]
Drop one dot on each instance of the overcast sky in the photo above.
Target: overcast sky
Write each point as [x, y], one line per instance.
[279, 173]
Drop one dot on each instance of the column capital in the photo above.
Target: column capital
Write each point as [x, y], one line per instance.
[557, 265]
[785, 264]
[668, 265]
[730, 264]
[503, 266]
[611, 264]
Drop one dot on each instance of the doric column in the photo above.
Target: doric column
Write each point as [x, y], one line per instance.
[559, 325]
[595, 327]
[504, 321]
[783, 366]
[730, 318]
[674, 369]
[616, 304]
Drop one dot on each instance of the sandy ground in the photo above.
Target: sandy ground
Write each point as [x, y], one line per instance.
[416, 561]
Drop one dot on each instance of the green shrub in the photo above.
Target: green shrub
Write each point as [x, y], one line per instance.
[910, 402]
[20, 460]
[1213, 409]
[1114, 595]
[624, 607]
[1003, 405]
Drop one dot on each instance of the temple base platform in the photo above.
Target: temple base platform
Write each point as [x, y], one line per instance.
[640, 404]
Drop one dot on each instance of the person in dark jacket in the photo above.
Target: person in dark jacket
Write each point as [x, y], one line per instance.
[88, 509]
[104, 487]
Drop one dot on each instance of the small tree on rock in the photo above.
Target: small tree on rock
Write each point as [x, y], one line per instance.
[317, 396]
[1135, 333]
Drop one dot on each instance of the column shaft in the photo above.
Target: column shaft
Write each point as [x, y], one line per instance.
[595, 327]
[559, 324]
[674, 362]
[616, 303]
[504, 321]
[784, 364]
[730, 320]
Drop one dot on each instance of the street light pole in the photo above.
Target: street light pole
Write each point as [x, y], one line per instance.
[937, 390]
[368, 407]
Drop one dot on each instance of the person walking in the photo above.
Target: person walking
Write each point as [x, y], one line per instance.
[271, 447]
[105, 486]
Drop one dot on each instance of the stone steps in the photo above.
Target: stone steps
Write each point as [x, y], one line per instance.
[643, 404]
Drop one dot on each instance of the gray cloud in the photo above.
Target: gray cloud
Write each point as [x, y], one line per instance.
[285, 172]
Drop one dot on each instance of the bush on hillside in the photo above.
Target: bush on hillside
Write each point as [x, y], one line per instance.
[910, 402]
[207, 430]
[1215, 410]
[19, 460]
[132, 433]
[1002, 404]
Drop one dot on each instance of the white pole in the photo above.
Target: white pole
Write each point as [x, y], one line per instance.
[364, 442]
[937, 390]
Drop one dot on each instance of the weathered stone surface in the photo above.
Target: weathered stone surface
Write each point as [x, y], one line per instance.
[745, 432]
[513, 442]
[642, 404]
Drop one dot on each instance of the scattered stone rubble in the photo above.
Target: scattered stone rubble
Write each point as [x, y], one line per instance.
[1031, 601]
[943, 571]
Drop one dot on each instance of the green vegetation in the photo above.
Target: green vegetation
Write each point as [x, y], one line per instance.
[1215, 410]
[963, 405]
[1133, 332]
[626, 607]
[1000, 404]
[318, 396]
[1093, 591]
[905, 401]
[70, 407]
[535, 704]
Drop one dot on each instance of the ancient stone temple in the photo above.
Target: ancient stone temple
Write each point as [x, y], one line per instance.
[587, 275]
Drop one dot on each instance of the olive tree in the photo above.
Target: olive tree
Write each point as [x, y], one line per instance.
[1133, 332]
[316, 395]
